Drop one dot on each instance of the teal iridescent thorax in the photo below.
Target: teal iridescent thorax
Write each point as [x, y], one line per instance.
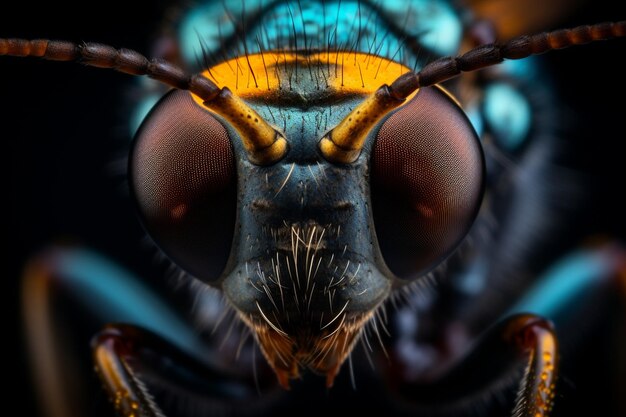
[399, 30]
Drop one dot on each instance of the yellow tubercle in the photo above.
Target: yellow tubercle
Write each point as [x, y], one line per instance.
[344, 143]
[263, 144]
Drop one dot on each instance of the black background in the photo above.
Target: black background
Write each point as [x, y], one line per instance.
[64, 136]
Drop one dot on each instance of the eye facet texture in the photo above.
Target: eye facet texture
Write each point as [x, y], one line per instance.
[182, 174]
[427, 182]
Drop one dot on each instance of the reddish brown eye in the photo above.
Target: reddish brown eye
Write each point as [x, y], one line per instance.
[183, 178]
[427, 182]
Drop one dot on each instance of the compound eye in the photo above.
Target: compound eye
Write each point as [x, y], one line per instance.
[182, 174]
[427, 182]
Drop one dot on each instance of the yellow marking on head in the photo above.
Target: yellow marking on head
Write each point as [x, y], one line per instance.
[252, 77]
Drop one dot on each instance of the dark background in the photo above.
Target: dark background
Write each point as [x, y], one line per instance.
[65, 134]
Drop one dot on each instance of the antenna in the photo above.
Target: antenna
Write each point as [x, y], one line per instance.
[343, 144]
[263, 144]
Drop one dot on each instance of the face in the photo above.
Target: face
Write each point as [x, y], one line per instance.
[330, 241]
[295, 244]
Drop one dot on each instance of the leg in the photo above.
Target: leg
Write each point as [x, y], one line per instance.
[534, 337]
[68, 295]
[520, 351]
[126, 392]
[577, 294]
[134, 365]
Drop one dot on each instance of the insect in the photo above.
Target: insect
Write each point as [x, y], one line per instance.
[304, 238]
